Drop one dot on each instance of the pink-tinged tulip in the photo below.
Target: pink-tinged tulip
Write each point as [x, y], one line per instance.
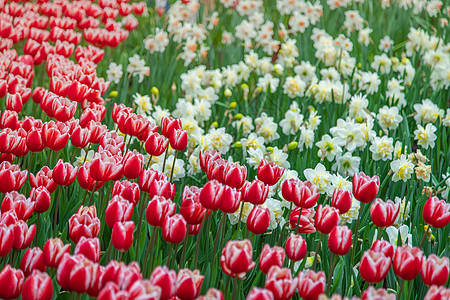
[11, 281]
[191, 209]
[436, 212]
[22, 206]
[133, 162]
[33, 259]
[6, 239]
[365, 188]
[9, 119]
[280, 282]
[11, 177]
[64, 173]
[255, 192]
[340, 240]
[374, 294]
[374, 266]
[384, 214]
[85, 179]
[158, 209]
[89, 248]
[342, 200]
[105, 167]
[210, 195]
[237, 258]
[112, 291]
[54, 250]
[295, 247]
[269, 172]
[407, 262]
[271, 257]
[23, 235]
[118, 210]
[35, 141]
[258, 220]
[302, 194]
[121, 274]
[14, 102]
[178, 139]
[43, 178]
[234, 175]
[122, 235]
[327, 218]
[311, 284]
[230, 199]
[128, 190]
[212, 294]
[206, 157]
[437, 293]
[38, 286]
[260, 294]
[174, 229]
[435, 270]
[156, 144]
[148, 176]
[168, 125]
[189, 284]
[162, 188]
[84, 223]
[77, 273]
[143, 289]
[41, 198]
[166, 279]
[63, 109]
[80, 137]
[384, 247]
[306, 224]
[56, 135]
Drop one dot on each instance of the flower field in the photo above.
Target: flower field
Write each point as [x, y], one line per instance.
[227, 149]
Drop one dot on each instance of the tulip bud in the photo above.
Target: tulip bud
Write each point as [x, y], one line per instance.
[166, 279]
[258, 220]
[122, 235]
[311, 284]
[189, 284]
[33, 259]
[374, 266]
[327, 218]
[407, 262]
[280, 282]
[295, 247]
[436, 212]
[38, 286]
[236, 259]
[168, 124]
[271, 257]
[342, 200]
[435, 270]
[340, 240]
[365, 188]
[174, 229]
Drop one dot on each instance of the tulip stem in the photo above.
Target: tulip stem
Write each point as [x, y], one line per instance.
[141, 213]
[84, 197]
[149, 247]
[218, 235]
[330, 275]
[149, 162]
[30, 161]
[128, 144]
[183, 255]
[86, 153]
[199, 234]
[169, 258]
[402, 284]
[173, 166]
[298, 220]
[108, 255]
[37, 229]
[240, 215]
[355, 238]
[92, 194]
[55, 216]
[235, 283]
[165, 158]
[48, 157]
[317, 251]
[424, 236]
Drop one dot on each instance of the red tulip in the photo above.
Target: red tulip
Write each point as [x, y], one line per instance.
[191, 209]
[372, 293]
[435, 270]
[33, 259]
[9, 119]
[174, 229]
[236, 259]
[14, 102]
[178, 139]
[302, 194]
[374, 266]
[77, 273]
[327, 218]
[407, 262]
[384, 214]
[384, 247]
[210, 195]
[38, 286]
[158, 209]
[64, 173]
[156, 144]
[54, 250]
[189, 284]
[306, 224]
[11, 177]
[144, 289]
[112, 291]
[166, 279]
[342, 200]
[43, 178]
[258, 220]
[271, 257]
[23, 235]
[55, 135]
[104, 167]
[230, 199]
[118, 210]
[437, 293]
[168, 125]
[6, 239]
[80, 137]
[41, 198]
[22, 206]
[311, 284]
[121, 274]
[234, 175]
[85, 179]
[122, 235]
[280, 282]
[269, 173]
[84, 223]
[127, 190]
[133, 162]
[35, 141]
[162, 188]
[11, 281]
[365, 188]
[89, 248]
[255, 192]
[436, 212]
[207, 156]
[295, 247]
[212, 294]
[340, 240]
[260, 294]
